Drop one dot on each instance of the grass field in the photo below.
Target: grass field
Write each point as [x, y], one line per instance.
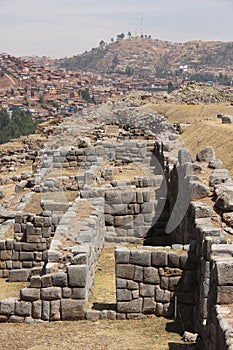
[205, 128]
[181, 113]
[82, 335]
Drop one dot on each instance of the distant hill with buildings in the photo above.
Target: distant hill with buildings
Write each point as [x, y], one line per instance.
[142, 57]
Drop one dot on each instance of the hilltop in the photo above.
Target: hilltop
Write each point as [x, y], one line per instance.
[142, 57]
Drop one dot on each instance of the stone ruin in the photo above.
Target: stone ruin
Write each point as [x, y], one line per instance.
[172, 221]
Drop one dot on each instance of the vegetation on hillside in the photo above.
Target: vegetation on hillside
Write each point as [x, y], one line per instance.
[19, 123]
[151, 56]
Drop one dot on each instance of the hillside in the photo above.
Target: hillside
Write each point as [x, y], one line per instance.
[143, 56]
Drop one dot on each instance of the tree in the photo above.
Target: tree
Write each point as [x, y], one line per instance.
[170, 87]
[102, 43]
[120, 36]
[129, 71]
[20, 123]
[112, 40]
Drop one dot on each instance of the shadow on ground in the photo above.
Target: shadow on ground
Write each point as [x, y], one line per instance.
[103, 306]
[176, 327]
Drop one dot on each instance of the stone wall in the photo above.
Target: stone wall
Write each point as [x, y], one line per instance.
[201, 228]
[149, 279]
[61, 289]
[130, 209]
[122, 151]
[32, 237]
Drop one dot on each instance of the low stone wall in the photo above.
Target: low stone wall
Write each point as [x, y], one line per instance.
[130, 210]
[124, 151]
[61, 290]
[32, 237]
[148, 280]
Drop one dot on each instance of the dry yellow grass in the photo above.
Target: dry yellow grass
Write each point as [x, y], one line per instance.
[105, 289]
[34, 207]
[181, 113]
[205, 129]
[128, 172]
[10, 289]
[82, 335]
[220, 136]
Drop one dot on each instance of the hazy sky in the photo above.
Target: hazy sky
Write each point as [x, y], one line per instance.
[59, 28]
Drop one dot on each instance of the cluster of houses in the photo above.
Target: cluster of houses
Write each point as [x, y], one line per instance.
[38, 85]
[49, 92]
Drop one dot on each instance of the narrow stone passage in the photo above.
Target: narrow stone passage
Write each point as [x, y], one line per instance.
[104, 295]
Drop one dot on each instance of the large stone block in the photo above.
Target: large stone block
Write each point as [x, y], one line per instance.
[184, 156]
[19, 275]
[23, 308]
[173, 260]
[35, 282]
[59, 279]
[162, 296]
[138, 274]
[126, 221]
[224, 271]
[125, 271]
[228, 218]
[225, 198]
[46, 281]
[45, 312]
[73, 309]
[36, 309]
[79, 293]
[55, 310]
[219, 176]
[121, 283]
[134, 306]
[159, 258]
[128, 196]
[201, 210]
[123, 295]
[206, 155]
[122, 255]
[30, 294]
[227, 119]
[131, 285]
[149, 306]
[140, 257]
[147, 208]
[77, 275]
[113, 197]
[26, 256]
[7, 306]
[151, 275]
[199, 190]
[147, 290]
[139, 197]
[6, 255]
[51, 293]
